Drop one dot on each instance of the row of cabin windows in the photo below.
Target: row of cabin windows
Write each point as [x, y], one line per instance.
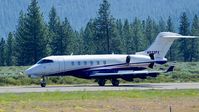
[87, 62]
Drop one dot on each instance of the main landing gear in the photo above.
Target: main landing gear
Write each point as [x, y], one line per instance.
[43, 82]
[115, 82]
[102, 82]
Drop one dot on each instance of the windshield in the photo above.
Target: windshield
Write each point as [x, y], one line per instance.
[45, 61]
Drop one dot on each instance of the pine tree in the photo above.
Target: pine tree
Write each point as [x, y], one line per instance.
[53, 20]
[79, 44]
[103, 28]
[162, 25]
[128, 37]
[155, 30]
[138, 35]
[2, 52]
[149, 30]
[53, 26]
[56, 33]
[195, 42]
[10, 59]
[115, 40]
[36, 32]
[88, 38]
[71, 38]
[75, 43]
[20, 40]
[119, 28]
[145, 40]
[169, 25]
[59, 41]
[33, 38]
[64, 40]
[184, 43]
[143, 25]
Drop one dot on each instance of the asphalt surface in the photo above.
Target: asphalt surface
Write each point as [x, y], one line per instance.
[92, 87]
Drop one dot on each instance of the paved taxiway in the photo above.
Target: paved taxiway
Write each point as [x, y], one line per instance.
[67, 88]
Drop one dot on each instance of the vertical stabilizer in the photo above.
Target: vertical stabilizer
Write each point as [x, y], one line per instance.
[162, 44]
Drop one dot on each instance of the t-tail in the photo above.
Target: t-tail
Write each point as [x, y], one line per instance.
[161, 45]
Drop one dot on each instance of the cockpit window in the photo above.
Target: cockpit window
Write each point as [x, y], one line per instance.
[45, 61]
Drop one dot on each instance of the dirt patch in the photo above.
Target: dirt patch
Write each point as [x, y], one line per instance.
[107, 105]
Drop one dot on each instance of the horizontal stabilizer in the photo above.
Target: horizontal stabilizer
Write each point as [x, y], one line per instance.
[170, 69]
[180, 36]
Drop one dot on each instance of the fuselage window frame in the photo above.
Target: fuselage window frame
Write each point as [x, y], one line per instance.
[85, 62]
[104, 62]
[72, 63]
[79, 63]
[91, 62]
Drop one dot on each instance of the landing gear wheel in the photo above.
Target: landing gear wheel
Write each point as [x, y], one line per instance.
[43, 82]
[115, 82]
[101, 82]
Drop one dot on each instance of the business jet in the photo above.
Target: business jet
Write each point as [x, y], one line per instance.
[108, 67]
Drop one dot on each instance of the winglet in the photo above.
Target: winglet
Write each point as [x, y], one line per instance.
[170, 69]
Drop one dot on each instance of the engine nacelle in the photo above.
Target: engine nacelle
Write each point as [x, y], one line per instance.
[128, 59]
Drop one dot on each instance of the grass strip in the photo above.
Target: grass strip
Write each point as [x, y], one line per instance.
[96, 95]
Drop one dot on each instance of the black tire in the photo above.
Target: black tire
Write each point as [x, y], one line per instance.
[101, 82]
[115, 82]
[43, 84]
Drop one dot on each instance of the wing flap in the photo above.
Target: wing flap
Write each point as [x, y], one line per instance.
[130, 72]
[123, 73]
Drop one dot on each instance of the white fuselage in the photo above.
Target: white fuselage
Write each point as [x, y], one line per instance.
[63, 63]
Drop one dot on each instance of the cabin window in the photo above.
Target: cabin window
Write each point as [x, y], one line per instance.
[98, 62]
[79, 63]
[85, 62]
[91, 62]
[72, 63]
[45, 61]
[104, 62]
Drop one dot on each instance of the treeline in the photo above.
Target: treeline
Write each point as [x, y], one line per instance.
[34, 38]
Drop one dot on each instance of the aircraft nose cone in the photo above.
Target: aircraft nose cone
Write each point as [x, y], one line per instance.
[33, 71]
[28, 72]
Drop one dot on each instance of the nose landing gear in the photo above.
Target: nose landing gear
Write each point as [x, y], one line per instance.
[43, 82]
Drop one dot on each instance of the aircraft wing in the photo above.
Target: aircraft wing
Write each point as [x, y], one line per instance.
[130, 72]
